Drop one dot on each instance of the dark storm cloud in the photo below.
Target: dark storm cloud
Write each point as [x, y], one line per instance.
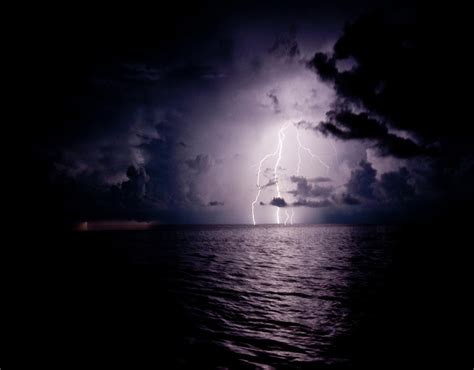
[346, 125]
[402, 147]
[377, 101]
[312, 203]
[318, 179]
[394, 186]
[382, 82]
[397, 185]
[142, 72]
[275, 103]
[305, 189]
[90, 184]
[94, 85]
[164, 163]
[325, 66]
[278, 202]
[270, 183]
[86, 198]
[135, 186]
[182, 73]
[285, 46]
[348, 199]
[362, 181]
[215, 203]
[304, 124]
[201, 163]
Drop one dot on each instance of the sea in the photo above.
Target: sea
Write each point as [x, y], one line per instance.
[230, 297]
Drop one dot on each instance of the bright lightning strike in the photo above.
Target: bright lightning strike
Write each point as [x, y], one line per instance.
[278, 153]
[281, 139]
[297, 174]
[313, 156]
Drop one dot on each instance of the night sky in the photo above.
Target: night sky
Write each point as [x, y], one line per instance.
[164, 115]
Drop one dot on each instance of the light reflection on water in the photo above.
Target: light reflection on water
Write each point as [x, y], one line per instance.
[269, 295]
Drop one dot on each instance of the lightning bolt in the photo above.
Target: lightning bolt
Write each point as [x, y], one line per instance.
[334, 149]
[313, 156]
[281, 139]
[298, 167]
[278, 153]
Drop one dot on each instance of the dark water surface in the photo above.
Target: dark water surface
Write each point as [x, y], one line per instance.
[239, 296]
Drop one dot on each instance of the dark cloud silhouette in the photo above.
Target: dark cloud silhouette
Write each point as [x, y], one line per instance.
[312, 203]
[270, 183]
[394, 186]
[278, 202]
[286, 46]
[201, 163]
[215, 203]
[402, 147]
[87, 198]
[275, 103]
[142, 72]
[346, 125]
[306, 189]
[325, 66]
[304, 124]
[349, 200]
[381, 82]
[397, 185]
[135, 187]
[362, 181]
[318, 179]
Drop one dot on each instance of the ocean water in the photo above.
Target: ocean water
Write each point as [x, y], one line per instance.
[265, 297]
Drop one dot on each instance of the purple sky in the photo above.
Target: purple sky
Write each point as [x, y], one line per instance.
[170, 124]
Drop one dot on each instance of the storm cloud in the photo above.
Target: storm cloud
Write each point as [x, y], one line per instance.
[215, 203]
[147, 120]
[306, 189]
[312, 203]
[201, 163]
[278, 202]
[393, 186]
[382, 82]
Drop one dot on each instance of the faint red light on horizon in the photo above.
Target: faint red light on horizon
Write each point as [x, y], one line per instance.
[112, 225]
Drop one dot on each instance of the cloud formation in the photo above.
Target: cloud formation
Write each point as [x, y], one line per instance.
[278, 202]
[306, 189]
[312, 203]
[362, 181]
[215, 203]
[275, 103]
[378, 94]
[393, 186]
[201, 163]
[346, 125]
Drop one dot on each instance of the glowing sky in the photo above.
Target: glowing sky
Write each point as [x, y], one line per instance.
[168, 121]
